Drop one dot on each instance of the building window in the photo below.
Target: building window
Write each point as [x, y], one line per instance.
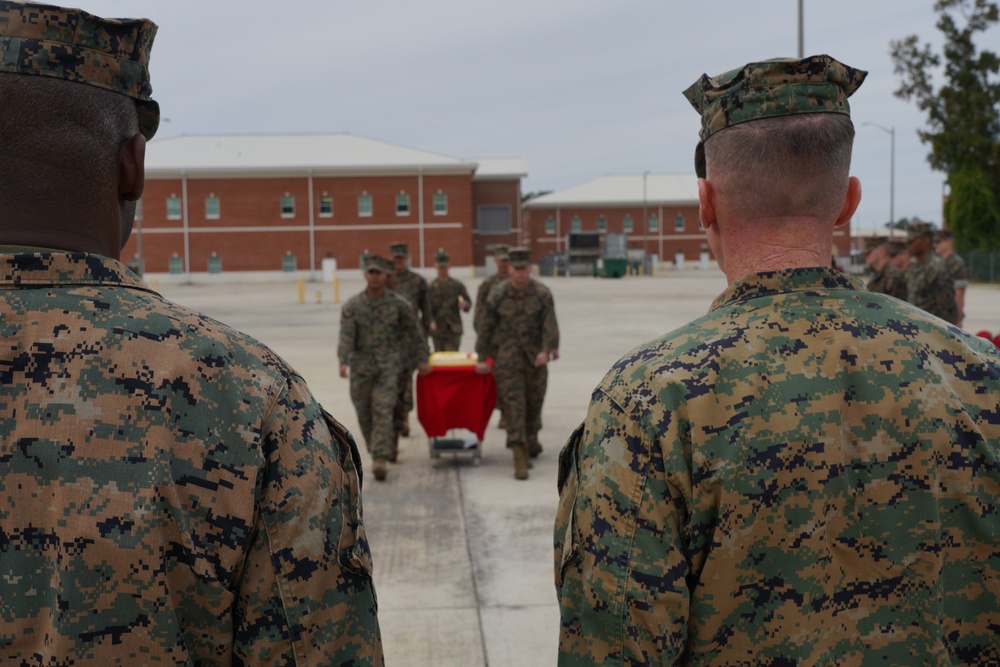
[213, 210]
[679, 223]
[627, 224]
[173, 207]
[365, 205]
[325, 206]
[654, 223]
[575, 223]
[402, 204]
[287, 206]
[602, 224]
[440, 203]
[550, 225]
[493, 219]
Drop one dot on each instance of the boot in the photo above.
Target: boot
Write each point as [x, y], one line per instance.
[534, 447]
[380, 469]
[520, 462]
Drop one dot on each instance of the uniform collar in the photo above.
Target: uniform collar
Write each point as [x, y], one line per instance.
[787, 280]
[42, 267]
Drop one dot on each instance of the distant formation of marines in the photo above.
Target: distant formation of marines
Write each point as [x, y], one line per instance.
[383, 340]
[926, 272]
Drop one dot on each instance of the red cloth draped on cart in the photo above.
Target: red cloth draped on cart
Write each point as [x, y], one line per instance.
[455, 397]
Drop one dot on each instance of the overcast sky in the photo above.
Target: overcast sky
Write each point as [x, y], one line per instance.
[576, 88]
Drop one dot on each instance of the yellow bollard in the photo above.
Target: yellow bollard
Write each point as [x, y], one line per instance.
[154, 284]
[302, 290]
[319, 297]
[336, 289]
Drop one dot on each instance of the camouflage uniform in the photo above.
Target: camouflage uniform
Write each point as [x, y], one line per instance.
[807, 475]
[414, 352]
[443, 296]
[170, 490]
[959, 276]
[930, 287]
[484, 291]
[517, 325]
[413, 286]
[373, 343]
[889, 280]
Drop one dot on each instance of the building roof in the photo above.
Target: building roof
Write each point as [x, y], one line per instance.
[500, 168]
[625, 190]
[259, 154]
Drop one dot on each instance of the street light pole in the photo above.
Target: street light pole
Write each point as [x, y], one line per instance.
[891, 131]
[801, 50]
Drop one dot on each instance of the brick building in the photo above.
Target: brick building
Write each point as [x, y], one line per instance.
[657, 212]
[274, 202]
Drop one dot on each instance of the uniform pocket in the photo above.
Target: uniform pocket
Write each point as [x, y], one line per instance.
[567, 542]
[354, 553]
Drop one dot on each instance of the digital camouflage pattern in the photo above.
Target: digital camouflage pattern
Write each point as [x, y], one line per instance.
[446, 313]
[484, 290]
[373, 343]
[517, 325]
[929, 287]
[889, 280]
[958, 270]
[414, 287]
[72, 45]
[771, 88]
[170, 491]
[807, 475]
[415, 352]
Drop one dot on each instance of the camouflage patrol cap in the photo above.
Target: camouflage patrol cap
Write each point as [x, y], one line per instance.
[399, 249]
[520, 258]
[72, 45]
[501, 251]
[376, 263]
[441, 257]
[895, 248]
[918, 228]
[768, 89]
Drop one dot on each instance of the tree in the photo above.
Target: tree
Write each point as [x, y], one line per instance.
[973, 205]
[963, 115]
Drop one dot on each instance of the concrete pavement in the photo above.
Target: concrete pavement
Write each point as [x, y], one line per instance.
[463, 553]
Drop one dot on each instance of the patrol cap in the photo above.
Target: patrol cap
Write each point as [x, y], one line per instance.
[73, 45]
[918, 228]
[768, 89]
[375, 263]
[520, 258]
[501, 251]
[399, 249]
[441, 257]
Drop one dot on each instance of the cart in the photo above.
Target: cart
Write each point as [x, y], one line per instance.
[454, 396]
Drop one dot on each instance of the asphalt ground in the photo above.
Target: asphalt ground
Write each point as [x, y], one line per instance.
[463, 552]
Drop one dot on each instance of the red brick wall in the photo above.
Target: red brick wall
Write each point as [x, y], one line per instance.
[496, 193]
[665, 242]
[252, 235]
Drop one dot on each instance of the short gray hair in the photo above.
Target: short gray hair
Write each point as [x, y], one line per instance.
[786, 166]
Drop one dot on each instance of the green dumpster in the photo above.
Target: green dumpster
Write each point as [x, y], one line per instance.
[611, 267]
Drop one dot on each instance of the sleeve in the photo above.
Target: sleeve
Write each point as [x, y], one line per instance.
[550, 327]
[424, 296]
[419, 351]
[485, 347]
[348, 333]
[306, 595]
[620, 564]
[477, 313]
[465, 295]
